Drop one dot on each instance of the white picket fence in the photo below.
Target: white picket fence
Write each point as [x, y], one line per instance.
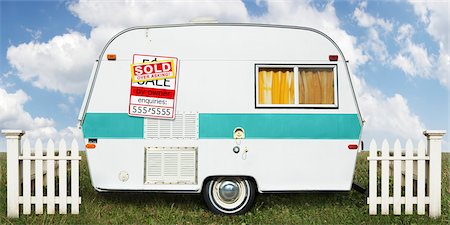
[23, 189]
[423, 165]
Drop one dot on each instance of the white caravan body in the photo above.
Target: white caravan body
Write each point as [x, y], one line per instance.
[293, 146]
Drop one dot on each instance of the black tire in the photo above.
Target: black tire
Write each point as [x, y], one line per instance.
[229, 201]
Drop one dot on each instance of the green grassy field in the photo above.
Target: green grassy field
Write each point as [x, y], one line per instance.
[304, 208]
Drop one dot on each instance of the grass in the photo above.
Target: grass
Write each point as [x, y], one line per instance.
[155, 208]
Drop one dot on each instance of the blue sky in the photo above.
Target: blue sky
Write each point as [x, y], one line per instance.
[398, 52]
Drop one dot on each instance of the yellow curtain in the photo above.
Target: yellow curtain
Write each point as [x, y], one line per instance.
[316, 86]
[276, 86]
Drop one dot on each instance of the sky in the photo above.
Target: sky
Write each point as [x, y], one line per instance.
[398, 54]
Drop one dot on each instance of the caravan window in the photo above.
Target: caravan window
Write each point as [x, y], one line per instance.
[296, 86]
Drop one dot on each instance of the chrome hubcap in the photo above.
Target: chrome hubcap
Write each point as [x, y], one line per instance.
[229, 191]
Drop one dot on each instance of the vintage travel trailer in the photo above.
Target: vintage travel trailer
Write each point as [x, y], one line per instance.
[226, 110]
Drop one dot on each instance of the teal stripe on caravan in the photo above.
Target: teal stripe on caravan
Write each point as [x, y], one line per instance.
[112, 125]
[280, 126]
[221, 126]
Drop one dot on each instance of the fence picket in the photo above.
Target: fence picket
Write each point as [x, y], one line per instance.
[397, 178]
[38, 176]
[421, 179]
[50, 178]
[26, 167]
[62, 178]
[74, 188]
[373, 178]
[385, 178]
[409, 178]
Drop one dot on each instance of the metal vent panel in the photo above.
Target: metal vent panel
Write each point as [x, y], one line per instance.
[184, 126]
[171, 165]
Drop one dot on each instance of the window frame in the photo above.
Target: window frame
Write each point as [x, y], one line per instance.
[296, 68]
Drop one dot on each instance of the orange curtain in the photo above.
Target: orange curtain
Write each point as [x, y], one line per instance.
[316, 86]
[276, 86]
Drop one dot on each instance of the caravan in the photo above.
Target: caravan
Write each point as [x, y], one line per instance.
[226, 110]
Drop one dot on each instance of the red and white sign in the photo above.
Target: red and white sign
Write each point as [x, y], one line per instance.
[154, 98]
[152, 70]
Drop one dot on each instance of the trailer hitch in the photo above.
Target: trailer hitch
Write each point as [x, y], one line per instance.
[360, 189]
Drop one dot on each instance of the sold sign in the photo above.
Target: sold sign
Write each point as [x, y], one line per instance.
[153, 86]
[152, 71]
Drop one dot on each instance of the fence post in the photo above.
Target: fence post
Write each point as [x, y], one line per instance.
[12, 159]
[434, 141]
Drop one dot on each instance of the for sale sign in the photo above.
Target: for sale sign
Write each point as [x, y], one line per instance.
[153, 86]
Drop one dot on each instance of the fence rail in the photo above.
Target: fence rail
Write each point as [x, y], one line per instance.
[403, 167]
[26, 189]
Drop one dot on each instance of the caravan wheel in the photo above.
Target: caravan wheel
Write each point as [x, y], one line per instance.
[229, 195]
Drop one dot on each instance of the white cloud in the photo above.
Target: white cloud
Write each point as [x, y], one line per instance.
[70, 133]
[404, 32]
[35, 34]
[4, 80]
[435, 15]
[7, 74]
[63, 107]
[68, 106]
[413, 59]
[404, 63]
[443, 70]
[366, 20]
[71, 99]
[376, 46]
[14, 116]
[299, 13]
[97, 13]
[421, 58]
[388, 117]
[61, 64]
[373, 45]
